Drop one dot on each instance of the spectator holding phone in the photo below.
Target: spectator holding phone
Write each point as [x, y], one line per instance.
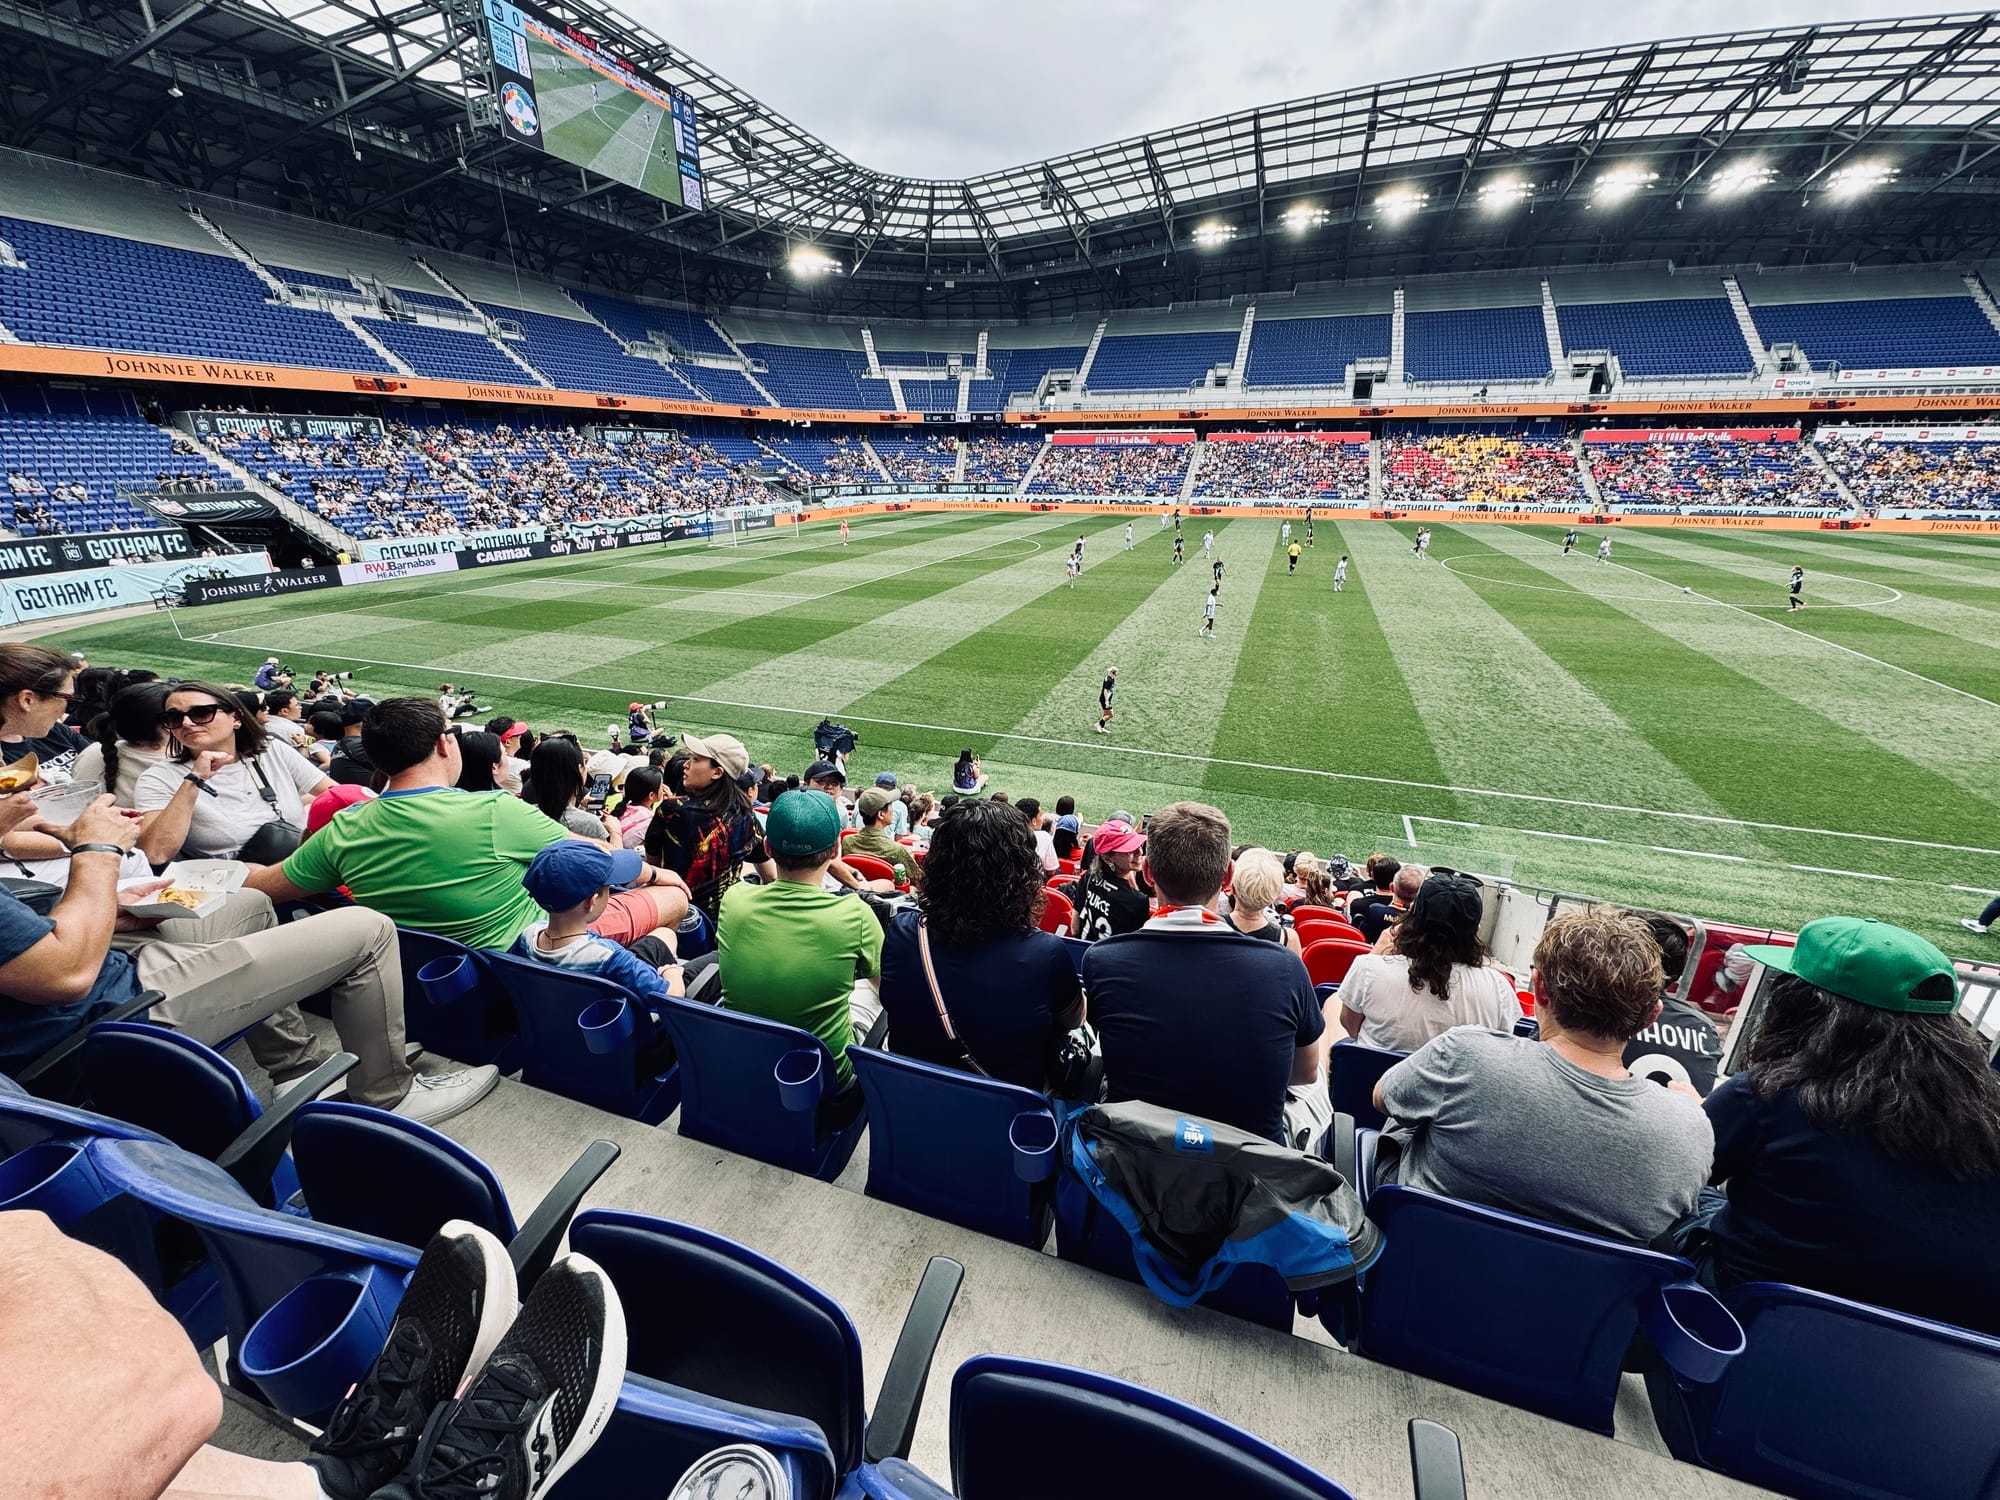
[557, 785]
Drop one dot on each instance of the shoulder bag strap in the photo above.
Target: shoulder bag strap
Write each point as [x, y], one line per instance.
[265, 791]
[937, 999]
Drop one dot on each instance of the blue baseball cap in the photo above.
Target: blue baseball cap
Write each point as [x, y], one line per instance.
[569, 873]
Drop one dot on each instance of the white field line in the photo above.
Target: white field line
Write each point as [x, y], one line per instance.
[1101, 748]
[1409, 832]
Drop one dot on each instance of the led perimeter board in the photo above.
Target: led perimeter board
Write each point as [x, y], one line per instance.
[572, 97]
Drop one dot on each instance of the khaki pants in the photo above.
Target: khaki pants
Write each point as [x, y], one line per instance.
[240, 967]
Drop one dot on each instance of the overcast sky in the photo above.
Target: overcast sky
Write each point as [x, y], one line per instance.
[932, 90]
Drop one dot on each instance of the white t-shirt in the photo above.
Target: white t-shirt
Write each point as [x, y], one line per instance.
[1400, 1019]
[222, 824]
[133, 763]
[1045, 848]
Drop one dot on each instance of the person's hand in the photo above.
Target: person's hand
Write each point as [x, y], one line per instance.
[137, 895]
[103, 822]
[207, 762]
[671, 878]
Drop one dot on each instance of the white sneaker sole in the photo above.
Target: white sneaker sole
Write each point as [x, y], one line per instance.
[459, 1102]
[603, 1399]
[497, 1308]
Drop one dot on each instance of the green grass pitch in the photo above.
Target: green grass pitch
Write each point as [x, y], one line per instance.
[619, 134]
[1657, 729]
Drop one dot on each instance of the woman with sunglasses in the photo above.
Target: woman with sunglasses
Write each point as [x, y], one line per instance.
[223, 779]
[37, 687]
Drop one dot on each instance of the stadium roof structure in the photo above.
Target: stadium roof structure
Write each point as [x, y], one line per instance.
[1864, 141]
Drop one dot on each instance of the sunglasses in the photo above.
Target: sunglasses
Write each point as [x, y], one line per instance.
[201, 715]
[67, 698]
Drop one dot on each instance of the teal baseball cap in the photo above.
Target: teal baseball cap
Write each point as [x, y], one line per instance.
[1870, 963]
[801, 823]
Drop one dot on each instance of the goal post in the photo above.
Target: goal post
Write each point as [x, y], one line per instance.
[726, 530]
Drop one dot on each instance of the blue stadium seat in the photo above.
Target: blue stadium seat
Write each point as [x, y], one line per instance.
[1475, 343]
[467, 1017]
[1313, 351]
[588, 1039]
[1352, 1071]
[1676, 336]
[712, 1321]
[1158, 361]
[759, 1088]
[1834, 1400]
[447, 353]
[1882, 333]
[1089, 1236]
[957, 1146]
[1095, 1436]
[378, 1174]
[1524, 1312]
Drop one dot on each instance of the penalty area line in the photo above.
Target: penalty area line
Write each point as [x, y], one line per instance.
[1102, 748]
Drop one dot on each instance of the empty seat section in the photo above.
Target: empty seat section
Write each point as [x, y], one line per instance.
[1020, 371]
[729, 387]
[1314, 351]
[1685, 336]
[830, 378]
[638, 322]
[1158, 361]
[98, 291]
[448, 353]
[99, 450]
[580, 356]
[1475, 343]
[1880, 335]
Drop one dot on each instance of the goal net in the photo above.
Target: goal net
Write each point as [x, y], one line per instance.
[726, 531]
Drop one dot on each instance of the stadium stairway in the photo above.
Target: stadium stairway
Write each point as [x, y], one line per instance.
[1811, 447]
[1740, 306]
[327, 539]
[1339, 1413]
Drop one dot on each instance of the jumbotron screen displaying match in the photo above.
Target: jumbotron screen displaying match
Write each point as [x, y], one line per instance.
[575, 98]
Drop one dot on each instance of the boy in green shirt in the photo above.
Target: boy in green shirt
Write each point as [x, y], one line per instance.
[795, 952]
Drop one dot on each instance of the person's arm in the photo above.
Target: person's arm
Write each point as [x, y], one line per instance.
[1737, 1115]
[104, 1394]
[61, 967]
[1311, 1049]
[310, 869]
[169, 804]
[868, 960]
[1351, 1020]
[1413, 1089]
[1066, 1003]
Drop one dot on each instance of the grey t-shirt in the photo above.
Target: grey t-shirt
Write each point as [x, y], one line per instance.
[1508, 1122]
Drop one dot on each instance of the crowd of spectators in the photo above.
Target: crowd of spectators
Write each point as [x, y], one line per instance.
[1112, 469]
[1290, 468]
[1480, 469]
[997, 458]
[428, 480]
[918, 460]
[1916, 476]
[1711, 472]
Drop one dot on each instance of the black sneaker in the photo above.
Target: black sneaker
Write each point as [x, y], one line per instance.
[459, 1302]
[541, 1402]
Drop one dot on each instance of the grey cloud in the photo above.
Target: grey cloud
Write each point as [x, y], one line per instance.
[935, 91]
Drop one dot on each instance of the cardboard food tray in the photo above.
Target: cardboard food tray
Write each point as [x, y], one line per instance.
[211, 879]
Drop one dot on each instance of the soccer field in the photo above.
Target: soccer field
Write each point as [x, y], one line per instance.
[613, 131]
[1657, 728]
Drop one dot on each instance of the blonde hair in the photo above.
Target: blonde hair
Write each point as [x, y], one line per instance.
[1312, 879]
[1259, 880]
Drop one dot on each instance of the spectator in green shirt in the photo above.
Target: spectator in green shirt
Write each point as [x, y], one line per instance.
[792, 951]
[877, 809]
[429, 856]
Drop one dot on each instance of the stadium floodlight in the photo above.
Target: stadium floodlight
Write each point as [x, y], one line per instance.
[1503, 193]
[1859, 177]
[1213, 233]
[1740, 177]
[810, 260]
[1401, 202]
[1620, 183]
[1301, 217]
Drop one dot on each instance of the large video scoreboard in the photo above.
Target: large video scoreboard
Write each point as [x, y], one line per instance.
[572, 97]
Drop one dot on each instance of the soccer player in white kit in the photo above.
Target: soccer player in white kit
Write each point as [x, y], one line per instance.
[1424, 543]
[1075, 563]
[1340, 573]
[1163, 520]
[1207, 545]
[1128, 536]
[1285, 535]
[1604, 549]
[1208, 616]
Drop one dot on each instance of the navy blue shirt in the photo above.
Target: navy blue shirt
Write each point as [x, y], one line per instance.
[26, 1031]
[1832, 1212]
[1009, 1000]
[1204, 1021]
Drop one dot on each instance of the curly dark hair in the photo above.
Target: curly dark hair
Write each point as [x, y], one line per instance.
[1918, 1085]
[1434, 948]
[982, 876]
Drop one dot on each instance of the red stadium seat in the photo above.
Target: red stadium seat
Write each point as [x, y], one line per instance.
[1058, 915]
[1305, 913]
[868, 867]
[1315, 928]
[1329, 959]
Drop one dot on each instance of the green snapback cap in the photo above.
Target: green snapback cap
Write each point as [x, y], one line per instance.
[1868, 962]
[802, 822]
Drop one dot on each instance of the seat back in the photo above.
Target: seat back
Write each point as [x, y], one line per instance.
[1835, 1400]
[731, 1097]
[476, 1026]
[1329, 959]
[1113, 1438]
[1058, 912]
[586, 1039]
[376, 1173]
[1352, 1071]
[1314, 929]
[871, 867]
[1523, 1312]
[943, 1143]
[168, 1083]
[710, 1315]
